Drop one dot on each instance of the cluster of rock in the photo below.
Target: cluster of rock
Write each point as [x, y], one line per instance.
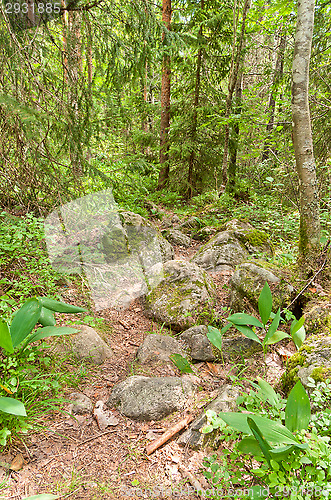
[185, 301]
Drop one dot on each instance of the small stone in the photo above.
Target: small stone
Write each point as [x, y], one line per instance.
[88, 345]
[158, 348]
[200, 348]
[81, 404]
[224, 402]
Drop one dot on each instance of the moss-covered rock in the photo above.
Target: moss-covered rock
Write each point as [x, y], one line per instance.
[247, 283]
[131, 220]
[184, 297]
[223, 251]
[254, 240]
[318, 316]
[313, 359]
[229, 248]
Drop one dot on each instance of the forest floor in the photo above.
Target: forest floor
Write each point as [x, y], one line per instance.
[73, 458]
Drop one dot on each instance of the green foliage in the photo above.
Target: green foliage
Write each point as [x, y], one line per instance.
[247, 325]
[26, 318]
[16, 368]
[25, 267]
[182, 364]
[299, 466]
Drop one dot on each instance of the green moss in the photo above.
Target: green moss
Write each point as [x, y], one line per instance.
[321, 373]
[257, 238]
[290, 377]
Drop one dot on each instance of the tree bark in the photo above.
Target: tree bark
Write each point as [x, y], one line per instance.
[195, 114]
[234, 70]
[309, 238]
[233, 144]
[278, 73]
[165, 103]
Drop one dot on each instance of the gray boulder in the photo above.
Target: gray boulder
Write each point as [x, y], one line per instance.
[199, 347]
[131, 220]
[246, 285]
[223, 251]
[144, 398]
[158, 348]
[88, 345]
[232, 246]
[233, 347]
[185, 295]
[225, 401]
[176, 237]
[204, 234]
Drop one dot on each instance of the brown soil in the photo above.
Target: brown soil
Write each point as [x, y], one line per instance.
[73, 458]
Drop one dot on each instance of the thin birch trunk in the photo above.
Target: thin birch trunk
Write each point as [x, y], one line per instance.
[309, 238]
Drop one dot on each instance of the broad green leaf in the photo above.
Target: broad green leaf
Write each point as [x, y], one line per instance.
[297, 324]
[298, 332]
[273, 327]
[281, 453]
[244, 319]
[57, 306]
[5, 338]
[12, 406]
[225, 328]
[299, 336]
[43, 496]
[297, 411]
[268, 392]
[24, 321]
[46, 317]
[277, 337]
[237, 421]
[249, 445]
[272, 431]
[182, 364]
[265, 447]
[248, 332]
[215, 336]
[265, 303]
[51, 331]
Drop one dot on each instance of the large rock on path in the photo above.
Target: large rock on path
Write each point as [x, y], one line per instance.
[200, 348]
[158, 348]
[223, 251]
[185, 296]
[246, 285]
[144, 398]
[132, 220]
[231, 247]
[88, 345]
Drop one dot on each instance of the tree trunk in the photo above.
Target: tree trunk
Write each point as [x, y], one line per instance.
[272, 101]
[309, 238]
[195, 114]
[233, 145]
[233, 76]
[165, 103]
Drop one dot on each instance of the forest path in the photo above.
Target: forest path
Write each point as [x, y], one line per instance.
[74, 458]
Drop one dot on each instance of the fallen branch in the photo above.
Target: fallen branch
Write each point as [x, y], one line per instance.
[151, 447]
